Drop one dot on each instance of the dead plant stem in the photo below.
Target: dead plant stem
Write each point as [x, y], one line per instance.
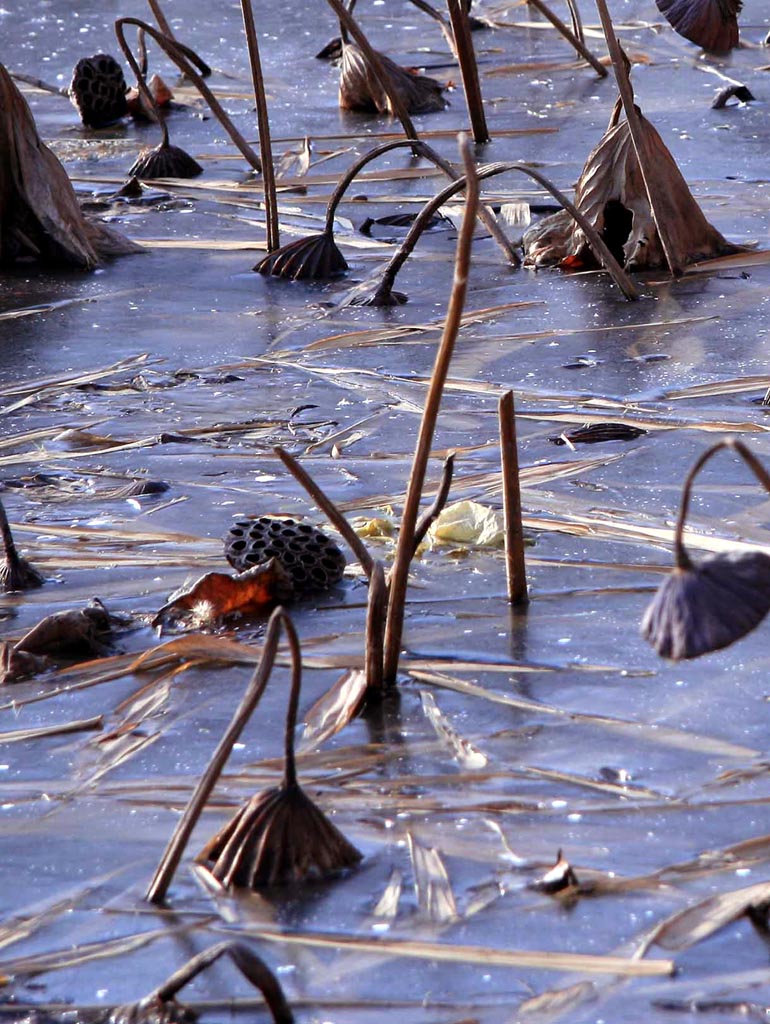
[515, 567]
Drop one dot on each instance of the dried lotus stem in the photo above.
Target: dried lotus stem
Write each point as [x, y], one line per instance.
[515, 566]
[681, 557]
[263, 123]
[575, 38]
[376, 610]
[181, 835]
[166, 29]
[438, 502]
[399, 575]
[174, 52]
[466, 58]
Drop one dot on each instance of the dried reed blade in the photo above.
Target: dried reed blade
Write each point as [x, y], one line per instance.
[431, 882]
[694, 924]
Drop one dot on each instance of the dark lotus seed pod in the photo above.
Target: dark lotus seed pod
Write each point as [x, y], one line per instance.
[312, 559]
[98, 90]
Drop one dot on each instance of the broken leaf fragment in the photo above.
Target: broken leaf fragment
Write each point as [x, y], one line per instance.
[217, 595]
[469, 522]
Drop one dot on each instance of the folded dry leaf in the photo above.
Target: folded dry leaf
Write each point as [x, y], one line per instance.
[712, 24]
[360, 89]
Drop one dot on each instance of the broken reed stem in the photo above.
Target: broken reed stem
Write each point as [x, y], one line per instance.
[438, 502]
[652, 184]
[466, 58]
[446, 30]
[38, 83]
[140, 79]
[376, 609]
[263, 124]
[176, 53]
[329, 509]
[252, 967]
[515, 566]
[181, 834]
[348, 21]
[572, 38]
[681, 558]
[399, 576]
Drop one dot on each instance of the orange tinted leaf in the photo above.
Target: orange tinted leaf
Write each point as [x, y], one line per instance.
[217, 595]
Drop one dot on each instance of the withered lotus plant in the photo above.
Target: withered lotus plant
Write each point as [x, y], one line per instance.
[41, 219]
[702, 607]
[161, 1006]
[279, 836]
[15, 572]
[611, 195]
[712, 24]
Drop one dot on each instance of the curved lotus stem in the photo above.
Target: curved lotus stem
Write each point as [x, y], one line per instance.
[491, 170]
[349, 24]
[252, 967]
[174, 52]
[290, 763]
[139, 75]
[682, 559]
[422, 149]
[181, 835]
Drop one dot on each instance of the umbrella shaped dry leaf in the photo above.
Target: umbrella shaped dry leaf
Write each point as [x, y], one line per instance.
[611, 195]
[360, 89]
[40, 217]
[16, 573]
[313, 258]
[712, 24]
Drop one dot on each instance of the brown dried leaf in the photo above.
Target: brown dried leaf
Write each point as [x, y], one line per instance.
[41, 217]
[16, 665]
[76, 633]
[361, 90]
[612, 196]
[217, 595]
[694, 924]
[313, 258]
[712, 24]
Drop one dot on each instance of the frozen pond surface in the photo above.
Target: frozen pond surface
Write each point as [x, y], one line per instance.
[639, 770]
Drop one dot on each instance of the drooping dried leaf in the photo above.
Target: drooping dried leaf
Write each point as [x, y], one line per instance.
[694, 924]
[311, 559]
[708, 606]
[279, 837]
[98, 90]
[165, 161]
[17, 665]
[314, 258]
[216, 595]
[361, 90]
[712, 24]
[77, 633]
[41, 217]
[612, 196]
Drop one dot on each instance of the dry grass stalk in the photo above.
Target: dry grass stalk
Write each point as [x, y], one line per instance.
[704, 607]
[405, 547]
[466, 57]
[263, 122]
[41, 217]
[280, 836]
[161, 1007]
[515, 566]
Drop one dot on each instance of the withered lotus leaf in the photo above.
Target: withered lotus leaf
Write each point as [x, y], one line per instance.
[16, 665]
[165, 161]
[75, 633]
[277, 838]
[708, 606]
[41, 219]
[712, 24]
[361, 90]
[612, 196]
[217, 594]
[98, 90]
[16, 573]
[137, 104]
[315, 258]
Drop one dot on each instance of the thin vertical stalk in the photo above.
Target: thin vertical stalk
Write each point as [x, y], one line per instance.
[399, 576]
[466, 57]
[289, 760]
[181, 834]
[653, 185]
[572, 38]
[263, 123]
[515, 567]
[375, 622]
